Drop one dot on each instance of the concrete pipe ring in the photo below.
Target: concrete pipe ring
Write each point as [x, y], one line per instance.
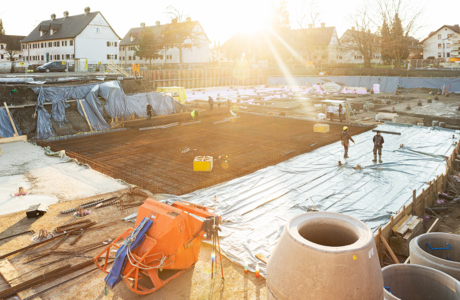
[437, 250]
[415, 282]
[323, 255]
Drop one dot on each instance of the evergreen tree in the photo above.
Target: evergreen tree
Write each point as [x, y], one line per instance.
[385, 42]
[2, 30]
[149, 45]
[281, 17]
[399, 44]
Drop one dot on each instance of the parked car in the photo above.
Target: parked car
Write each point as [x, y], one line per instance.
[55, 66]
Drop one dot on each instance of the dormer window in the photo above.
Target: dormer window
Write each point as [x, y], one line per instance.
[51, 31]
[41, 33]
[131, 38]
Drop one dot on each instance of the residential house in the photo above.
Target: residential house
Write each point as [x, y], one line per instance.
[86, 36]
[10, 45]
[195, 49]
[314, 45]
[438, 44]
[348, 50]
[455, 47]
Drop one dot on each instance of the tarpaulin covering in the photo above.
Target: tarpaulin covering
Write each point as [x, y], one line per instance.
[387, 84]
[117, 104]
[132, 242]
[6, 129]
[121, 105]
[255, 208]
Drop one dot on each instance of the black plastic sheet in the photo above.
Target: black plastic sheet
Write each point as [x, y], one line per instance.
[6, 130]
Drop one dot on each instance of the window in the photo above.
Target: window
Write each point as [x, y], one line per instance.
[439, 36]
[1, 56]
[43, 58]
[67, 56]
[439, 54]
[450, 35]
[116, 56]
[129, 58]
[41, 45]
[439, 46]
[116, 44]
[108, 44]
[71, 42]
[339, 56]
[50, 44]
[64, 43]
[161, 56]
[448, 54]
[98, 30]
[73, 55]
[358, 57]
[448, 46]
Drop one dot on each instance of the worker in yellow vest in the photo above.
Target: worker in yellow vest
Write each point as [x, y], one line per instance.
[195, 113]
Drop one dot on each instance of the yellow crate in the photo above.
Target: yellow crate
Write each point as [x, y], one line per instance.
[203, 163]
[323, 128]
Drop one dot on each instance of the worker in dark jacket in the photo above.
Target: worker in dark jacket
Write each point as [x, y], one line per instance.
[346, 138]
[149, 111]
[211, 103]
[378, 143]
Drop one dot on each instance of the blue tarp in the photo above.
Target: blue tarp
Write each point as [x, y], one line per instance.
[117, 104]
[115, 274]
[6, 130]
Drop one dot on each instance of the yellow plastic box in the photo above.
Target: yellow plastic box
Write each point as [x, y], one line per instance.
[323, 128]
[203, 163]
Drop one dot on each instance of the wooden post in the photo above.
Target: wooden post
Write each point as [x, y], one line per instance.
[11, 120]
[84, 112]
[379, 247]
[392, 254]
[414, 196]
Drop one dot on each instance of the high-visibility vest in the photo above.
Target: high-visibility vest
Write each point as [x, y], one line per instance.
[193, 114]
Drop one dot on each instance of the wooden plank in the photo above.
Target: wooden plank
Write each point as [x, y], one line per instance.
[414, 224]
[399, 224]
[84, 112]
[9, 272]
[405, 226]
[434, 226]
[13, 139]
[262, 258]
[11, 120]
[392, 254]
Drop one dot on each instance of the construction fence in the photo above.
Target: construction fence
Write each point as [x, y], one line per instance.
[209, 77]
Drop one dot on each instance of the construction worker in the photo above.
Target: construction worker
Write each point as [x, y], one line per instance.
[340, 112]
[211, 103]
[195, 113]
[330, 111]
[346, 138]
[378, 142]
[149, 110]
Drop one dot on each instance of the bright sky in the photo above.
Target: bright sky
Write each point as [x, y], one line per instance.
[220, 19]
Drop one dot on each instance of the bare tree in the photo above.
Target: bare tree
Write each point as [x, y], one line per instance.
[360, 38]
[175, 13]
[409, 12]
[309, 15]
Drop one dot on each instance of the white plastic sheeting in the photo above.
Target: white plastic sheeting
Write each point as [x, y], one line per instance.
[387, 84]
[256, 207]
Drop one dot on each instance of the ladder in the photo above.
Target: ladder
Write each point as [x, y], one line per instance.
[113, 68]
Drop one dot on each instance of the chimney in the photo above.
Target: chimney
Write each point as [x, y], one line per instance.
[157, 23]
[188, 19]
[174, 21]
[142, 24]
[66, 14]
[457, 27]
[53, 17]
[323, 24]
[87, 10]
[310, 25]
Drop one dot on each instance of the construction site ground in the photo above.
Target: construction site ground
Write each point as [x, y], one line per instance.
[161, 160]
[195, 283]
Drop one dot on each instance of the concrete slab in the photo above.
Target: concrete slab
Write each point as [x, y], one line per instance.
[48, 179]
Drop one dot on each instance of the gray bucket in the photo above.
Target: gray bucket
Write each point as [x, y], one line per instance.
[414, 282]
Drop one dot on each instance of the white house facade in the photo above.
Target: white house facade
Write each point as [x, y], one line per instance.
[14, 42]
[348, 50]
[87, 36]
[193, 52]
[438, 44]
